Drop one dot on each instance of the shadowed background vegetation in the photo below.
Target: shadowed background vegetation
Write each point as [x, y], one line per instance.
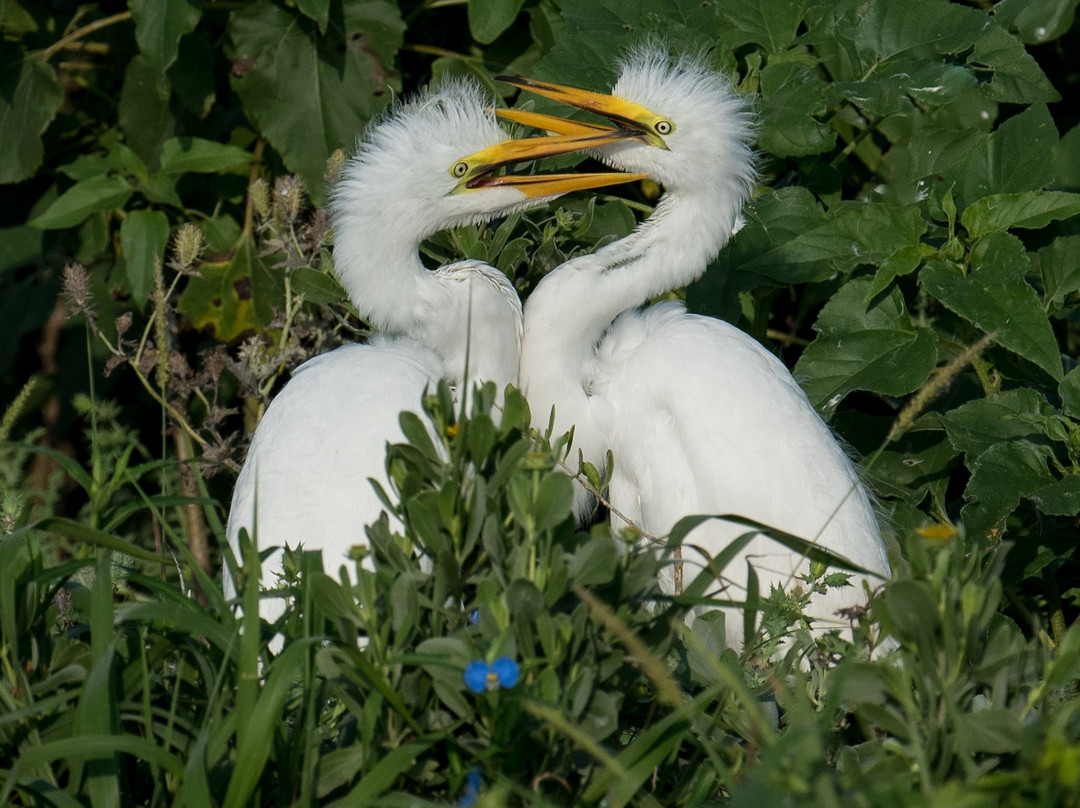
[913, 254]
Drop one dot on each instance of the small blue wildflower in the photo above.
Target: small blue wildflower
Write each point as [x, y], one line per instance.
[503, 672]
[474, 616]
[473, 781]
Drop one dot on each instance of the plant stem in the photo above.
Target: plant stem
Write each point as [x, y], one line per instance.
[86, 30]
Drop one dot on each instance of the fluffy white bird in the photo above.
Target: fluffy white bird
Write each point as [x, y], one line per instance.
[700, 418]
[429, 165]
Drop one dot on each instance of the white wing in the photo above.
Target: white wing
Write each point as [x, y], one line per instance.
[706, 421]
[320, 441]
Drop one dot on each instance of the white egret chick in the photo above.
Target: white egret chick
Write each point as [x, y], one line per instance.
[427, 166]
[700, 418]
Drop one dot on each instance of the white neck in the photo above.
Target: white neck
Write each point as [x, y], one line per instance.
[568, 313]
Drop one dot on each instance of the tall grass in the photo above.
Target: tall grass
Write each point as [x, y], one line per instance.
[119, 688]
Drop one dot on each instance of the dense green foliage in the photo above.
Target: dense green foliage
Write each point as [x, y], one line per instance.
[913, 252]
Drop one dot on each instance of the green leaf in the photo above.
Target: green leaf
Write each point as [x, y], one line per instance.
[144, 113]
[74, 206]
[182, 154]
[1000, 476]
[1069, 390]
[916, 464]
[29, 100]
[991, 730]
[1017, 77]
[1040, 21]
[317, 287]
[996, 299]
[794, 98]
[318, 10]
[254, 737]
[863, 346]
[1032, 210]
[159, 26]
[144, 235]
[1009, 416]
[382, 775]
[594, 562]
[894, 91]
[489, 18]
[1010, 160]
[308, 93]
[773, 25]
[232, 296]
[912, 609]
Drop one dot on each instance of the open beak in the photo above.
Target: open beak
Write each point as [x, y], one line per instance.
[478, 170]
[645, 125]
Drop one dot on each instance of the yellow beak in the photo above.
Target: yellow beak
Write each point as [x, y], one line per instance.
[478, 170]
[646, 125]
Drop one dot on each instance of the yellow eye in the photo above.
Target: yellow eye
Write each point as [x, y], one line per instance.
[460, 169]
[664, 127]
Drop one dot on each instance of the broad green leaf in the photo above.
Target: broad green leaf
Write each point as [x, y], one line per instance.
[1059, 498]
[1005, 417]
[182, 154]
[308, 93]
[768, 244]
[143, 110]
[916, 464]
[912, 609]
[159, 26]
[192, 74]
[1069, 390]
[859, 38]
[1068, 161]
[594, 562]
[864, 346]
[804, 248]
[992, 730]
[318, 10]
[489, 18]
[1010, 160]
[895, 89]
[1040, 21]
[588, 56]
[1000, 476]
[1031, 210]
[29, 100]
[1017, 77]
[232, 296]
[996, 299]
[93, 195]
[144, 235]
[317, 287]
[794, 99]
[773, 25]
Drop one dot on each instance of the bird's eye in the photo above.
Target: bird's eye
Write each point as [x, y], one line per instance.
[460, 169]
[664, 127]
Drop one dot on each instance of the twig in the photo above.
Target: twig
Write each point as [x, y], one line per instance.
[97, 25]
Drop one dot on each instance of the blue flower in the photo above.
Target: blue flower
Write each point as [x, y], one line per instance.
[480, 676]
[473, 780]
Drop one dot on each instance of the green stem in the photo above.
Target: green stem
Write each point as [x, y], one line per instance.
[86, 30]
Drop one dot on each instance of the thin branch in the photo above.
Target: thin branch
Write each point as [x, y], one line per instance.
[86, 30]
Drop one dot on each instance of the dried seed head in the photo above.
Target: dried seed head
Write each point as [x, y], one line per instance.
[77, 290]
[334, 165]
[187, 246]
[260, 197]
[288, 198]
[123, 323]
